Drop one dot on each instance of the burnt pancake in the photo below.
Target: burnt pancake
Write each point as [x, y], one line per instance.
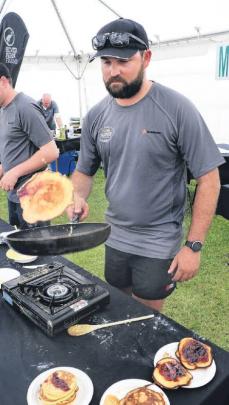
[169, 373]
[194, 354]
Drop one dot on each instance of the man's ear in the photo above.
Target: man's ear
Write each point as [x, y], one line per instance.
[147, 57]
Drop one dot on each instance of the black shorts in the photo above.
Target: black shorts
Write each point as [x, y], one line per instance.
[148, 277]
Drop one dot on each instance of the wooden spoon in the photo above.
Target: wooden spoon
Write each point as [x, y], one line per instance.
[83, 329]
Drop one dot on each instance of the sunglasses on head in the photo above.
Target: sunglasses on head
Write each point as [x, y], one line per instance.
[116, 39]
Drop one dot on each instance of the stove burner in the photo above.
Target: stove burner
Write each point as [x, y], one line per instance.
[57, 290]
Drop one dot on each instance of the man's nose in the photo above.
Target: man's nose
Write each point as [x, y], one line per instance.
[114, 69]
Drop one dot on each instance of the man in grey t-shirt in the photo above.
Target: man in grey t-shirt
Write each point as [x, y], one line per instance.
[50, 111]
[26, 143]
[146, 135]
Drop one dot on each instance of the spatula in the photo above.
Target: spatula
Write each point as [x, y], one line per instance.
[83, 329]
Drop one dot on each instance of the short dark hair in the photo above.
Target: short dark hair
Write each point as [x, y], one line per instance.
[4, 71]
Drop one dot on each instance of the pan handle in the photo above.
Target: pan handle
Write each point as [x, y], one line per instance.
[3, 236]
[75, 219]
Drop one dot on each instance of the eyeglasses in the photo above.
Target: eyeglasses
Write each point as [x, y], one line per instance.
[116, 39]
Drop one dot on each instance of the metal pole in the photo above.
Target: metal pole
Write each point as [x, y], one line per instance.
[75, 55]
[3, 3]
[109, 8]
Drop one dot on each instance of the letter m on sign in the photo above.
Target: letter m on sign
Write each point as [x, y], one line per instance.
[223, 62]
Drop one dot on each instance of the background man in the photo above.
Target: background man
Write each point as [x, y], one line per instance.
[26, 143]
[146, 135]
[50, 111]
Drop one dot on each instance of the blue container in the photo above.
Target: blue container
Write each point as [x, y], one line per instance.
[66, 163]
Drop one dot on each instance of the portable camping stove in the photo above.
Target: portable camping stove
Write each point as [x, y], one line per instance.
[54, 297]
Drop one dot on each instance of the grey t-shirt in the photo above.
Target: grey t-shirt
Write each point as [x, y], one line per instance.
[49, 113]
[145, 149]
[23, 131]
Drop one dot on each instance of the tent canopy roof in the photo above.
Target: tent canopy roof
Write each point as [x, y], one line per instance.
[83, 18]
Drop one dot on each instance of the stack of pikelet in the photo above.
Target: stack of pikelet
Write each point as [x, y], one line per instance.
[59, 388]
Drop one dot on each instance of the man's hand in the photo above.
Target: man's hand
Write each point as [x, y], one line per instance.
[185, 264]
[80, 207]
[8, 180]
[1, 171]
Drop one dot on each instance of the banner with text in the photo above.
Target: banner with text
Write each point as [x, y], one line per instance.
[222, 61]
[13, 40]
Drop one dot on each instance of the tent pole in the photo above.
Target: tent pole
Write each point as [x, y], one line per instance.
[75, 56]
[3, 3]
[111, 9]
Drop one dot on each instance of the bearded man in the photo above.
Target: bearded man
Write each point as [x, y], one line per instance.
[145, 135]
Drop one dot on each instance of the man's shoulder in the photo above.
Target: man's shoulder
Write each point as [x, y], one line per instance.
[26, 104]
[99, 108]
[167, 95]
[54, 105]
[23, 98]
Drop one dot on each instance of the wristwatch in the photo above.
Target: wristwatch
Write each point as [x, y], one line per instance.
[195, 245]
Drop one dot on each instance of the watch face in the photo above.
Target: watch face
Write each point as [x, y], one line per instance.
[196, 246]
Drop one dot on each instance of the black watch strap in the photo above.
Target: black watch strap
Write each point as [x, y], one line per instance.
[195, 245]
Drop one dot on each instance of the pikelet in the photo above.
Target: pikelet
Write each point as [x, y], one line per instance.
[142, 396]
[59, 388]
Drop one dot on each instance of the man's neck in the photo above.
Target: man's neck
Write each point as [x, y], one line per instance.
[10, 96]
[124, 102]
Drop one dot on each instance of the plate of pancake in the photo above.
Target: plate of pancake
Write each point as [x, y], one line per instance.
[19, 257]
[200, 376]
[134, 391]
[7, 273]
[61, 386]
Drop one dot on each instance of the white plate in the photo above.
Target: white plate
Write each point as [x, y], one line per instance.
[201, 376]
[18, 257]
[84, 393]
[121, 388]
[7, 273]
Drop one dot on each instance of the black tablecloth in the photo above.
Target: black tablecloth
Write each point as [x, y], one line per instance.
[65, 145]
[107, 355]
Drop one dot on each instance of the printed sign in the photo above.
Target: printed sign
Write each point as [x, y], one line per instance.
[222, 62]
[13, 40]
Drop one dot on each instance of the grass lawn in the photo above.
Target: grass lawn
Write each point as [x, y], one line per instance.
[201, 304]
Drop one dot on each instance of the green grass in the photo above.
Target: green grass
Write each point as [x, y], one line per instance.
[201, 304]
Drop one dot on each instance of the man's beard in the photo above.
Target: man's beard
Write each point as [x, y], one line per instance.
[128, 90]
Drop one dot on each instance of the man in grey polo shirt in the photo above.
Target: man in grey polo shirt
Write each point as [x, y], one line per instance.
[50, 111]
[146, 135]
[26, 143]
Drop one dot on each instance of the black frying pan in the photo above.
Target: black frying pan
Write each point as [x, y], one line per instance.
[58, 239]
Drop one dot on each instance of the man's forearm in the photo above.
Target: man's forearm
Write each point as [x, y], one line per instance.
[204, 205]
[46, 154]
[82, 184]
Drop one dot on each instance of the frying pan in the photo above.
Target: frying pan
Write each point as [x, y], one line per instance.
[58, 239]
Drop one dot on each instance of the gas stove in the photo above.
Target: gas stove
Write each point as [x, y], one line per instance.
[54, 297]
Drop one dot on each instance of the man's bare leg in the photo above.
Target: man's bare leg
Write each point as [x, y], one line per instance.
[153, 304]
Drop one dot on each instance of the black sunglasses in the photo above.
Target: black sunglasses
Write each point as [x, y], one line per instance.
[116, 39]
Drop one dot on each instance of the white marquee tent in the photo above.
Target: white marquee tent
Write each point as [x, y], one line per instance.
[185, 37]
